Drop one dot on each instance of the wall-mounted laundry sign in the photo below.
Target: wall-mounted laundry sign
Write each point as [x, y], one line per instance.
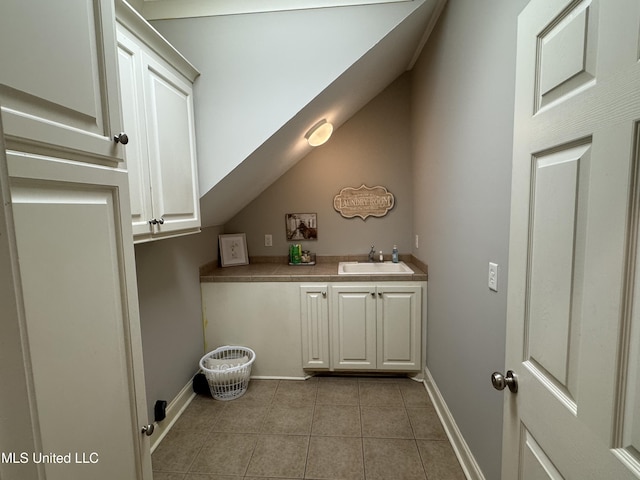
[363, 202]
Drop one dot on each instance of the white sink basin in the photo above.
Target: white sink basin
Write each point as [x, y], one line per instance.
[367, 268]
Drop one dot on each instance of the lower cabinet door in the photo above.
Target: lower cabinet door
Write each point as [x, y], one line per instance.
[399, 332]
[80, 326]
[353, 318]
[315, 326]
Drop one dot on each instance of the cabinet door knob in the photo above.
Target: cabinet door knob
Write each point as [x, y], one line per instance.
[373, 294]
[122, 138]
[324, 294]
[153, 221]
[160, 221]
[380, 294]
[148, 429]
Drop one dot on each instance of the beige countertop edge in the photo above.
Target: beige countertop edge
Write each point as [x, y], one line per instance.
[321, 272]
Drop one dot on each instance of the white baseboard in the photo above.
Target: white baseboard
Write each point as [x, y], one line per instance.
[465, 457]
[276, 377]
[174, 410]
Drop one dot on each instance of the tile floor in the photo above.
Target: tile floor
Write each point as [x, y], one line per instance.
[330, 428]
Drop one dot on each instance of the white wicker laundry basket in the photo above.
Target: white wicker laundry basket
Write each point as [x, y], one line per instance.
[228, 370]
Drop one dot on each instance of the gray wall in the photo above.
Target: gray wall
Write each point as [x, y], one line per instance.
[372, 148]
[171, 310]
[462, 121]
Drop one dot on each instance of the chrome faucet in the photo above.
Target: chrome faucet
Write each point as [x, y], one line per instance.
[372, 253]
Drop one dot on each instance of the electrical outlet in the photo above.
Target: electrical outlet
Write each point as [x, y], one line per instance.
[493, 276]
[268, 240]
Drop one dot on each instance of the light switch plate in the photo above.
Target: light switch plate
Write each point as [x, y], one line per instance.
[493, 276]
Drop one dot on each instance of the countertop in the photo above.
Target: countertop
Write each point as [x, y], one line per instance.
[277, 269]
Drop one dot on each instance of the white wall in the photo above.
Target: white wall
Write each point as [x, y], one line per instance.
[260, 70]
[171, 310]
[462, 121]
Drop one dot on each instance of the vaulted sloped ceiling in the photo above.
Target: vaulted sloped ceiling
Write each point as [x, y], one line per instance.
[267, 78]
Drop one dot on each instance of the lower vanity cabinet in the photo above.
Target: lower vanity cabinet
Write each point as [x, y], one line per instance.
[373, 327]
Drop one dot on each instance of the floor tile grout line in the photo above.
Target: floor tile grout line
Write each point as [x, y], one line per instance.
[406, 396]
[364, 464]
[197, 453]
[422, 460]
[255, 445]
[313, 411]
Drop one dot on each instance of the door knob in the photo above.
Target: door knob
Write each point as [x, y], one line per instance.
[509, 380]
[148, 429]
[121, 138]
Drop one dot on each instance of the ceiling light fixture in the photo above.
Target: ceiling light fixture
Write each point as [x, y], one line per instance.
[319, 133]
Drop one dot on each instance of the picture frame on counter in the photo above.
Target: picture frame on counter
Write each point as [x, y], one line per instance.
[233, 249]
[301, 226]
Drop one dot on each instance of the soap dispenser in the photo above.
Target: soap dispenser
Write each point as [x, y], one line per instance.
[394, 254]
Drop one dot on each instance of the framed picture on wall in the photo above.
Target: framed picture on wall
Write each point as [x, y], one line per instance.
[301, 226]
[233, 249]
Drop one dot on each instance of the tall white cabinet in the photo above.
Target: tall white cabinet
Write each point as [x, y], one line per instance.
[157, 108]
[70, 349]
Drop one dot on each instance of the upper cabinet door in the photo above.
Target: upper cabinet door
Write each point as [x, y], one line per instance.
[171, 141]
[63, 95]
[156, 85]
[134, 120]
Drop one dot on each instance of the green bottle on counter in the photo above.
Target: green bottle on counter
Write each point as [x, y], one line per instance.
[295, 253]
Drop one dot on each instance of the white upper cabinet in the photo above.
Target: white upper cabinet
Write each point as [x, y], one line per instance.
[156, 85]
[58, 81]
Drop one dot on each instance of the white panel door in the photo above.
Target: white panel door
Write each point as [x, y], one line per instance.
[353, 320]
[58, 78]
[172, 151]
[399, 321]
[314, 316]
[80, 320]
[573, 323]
